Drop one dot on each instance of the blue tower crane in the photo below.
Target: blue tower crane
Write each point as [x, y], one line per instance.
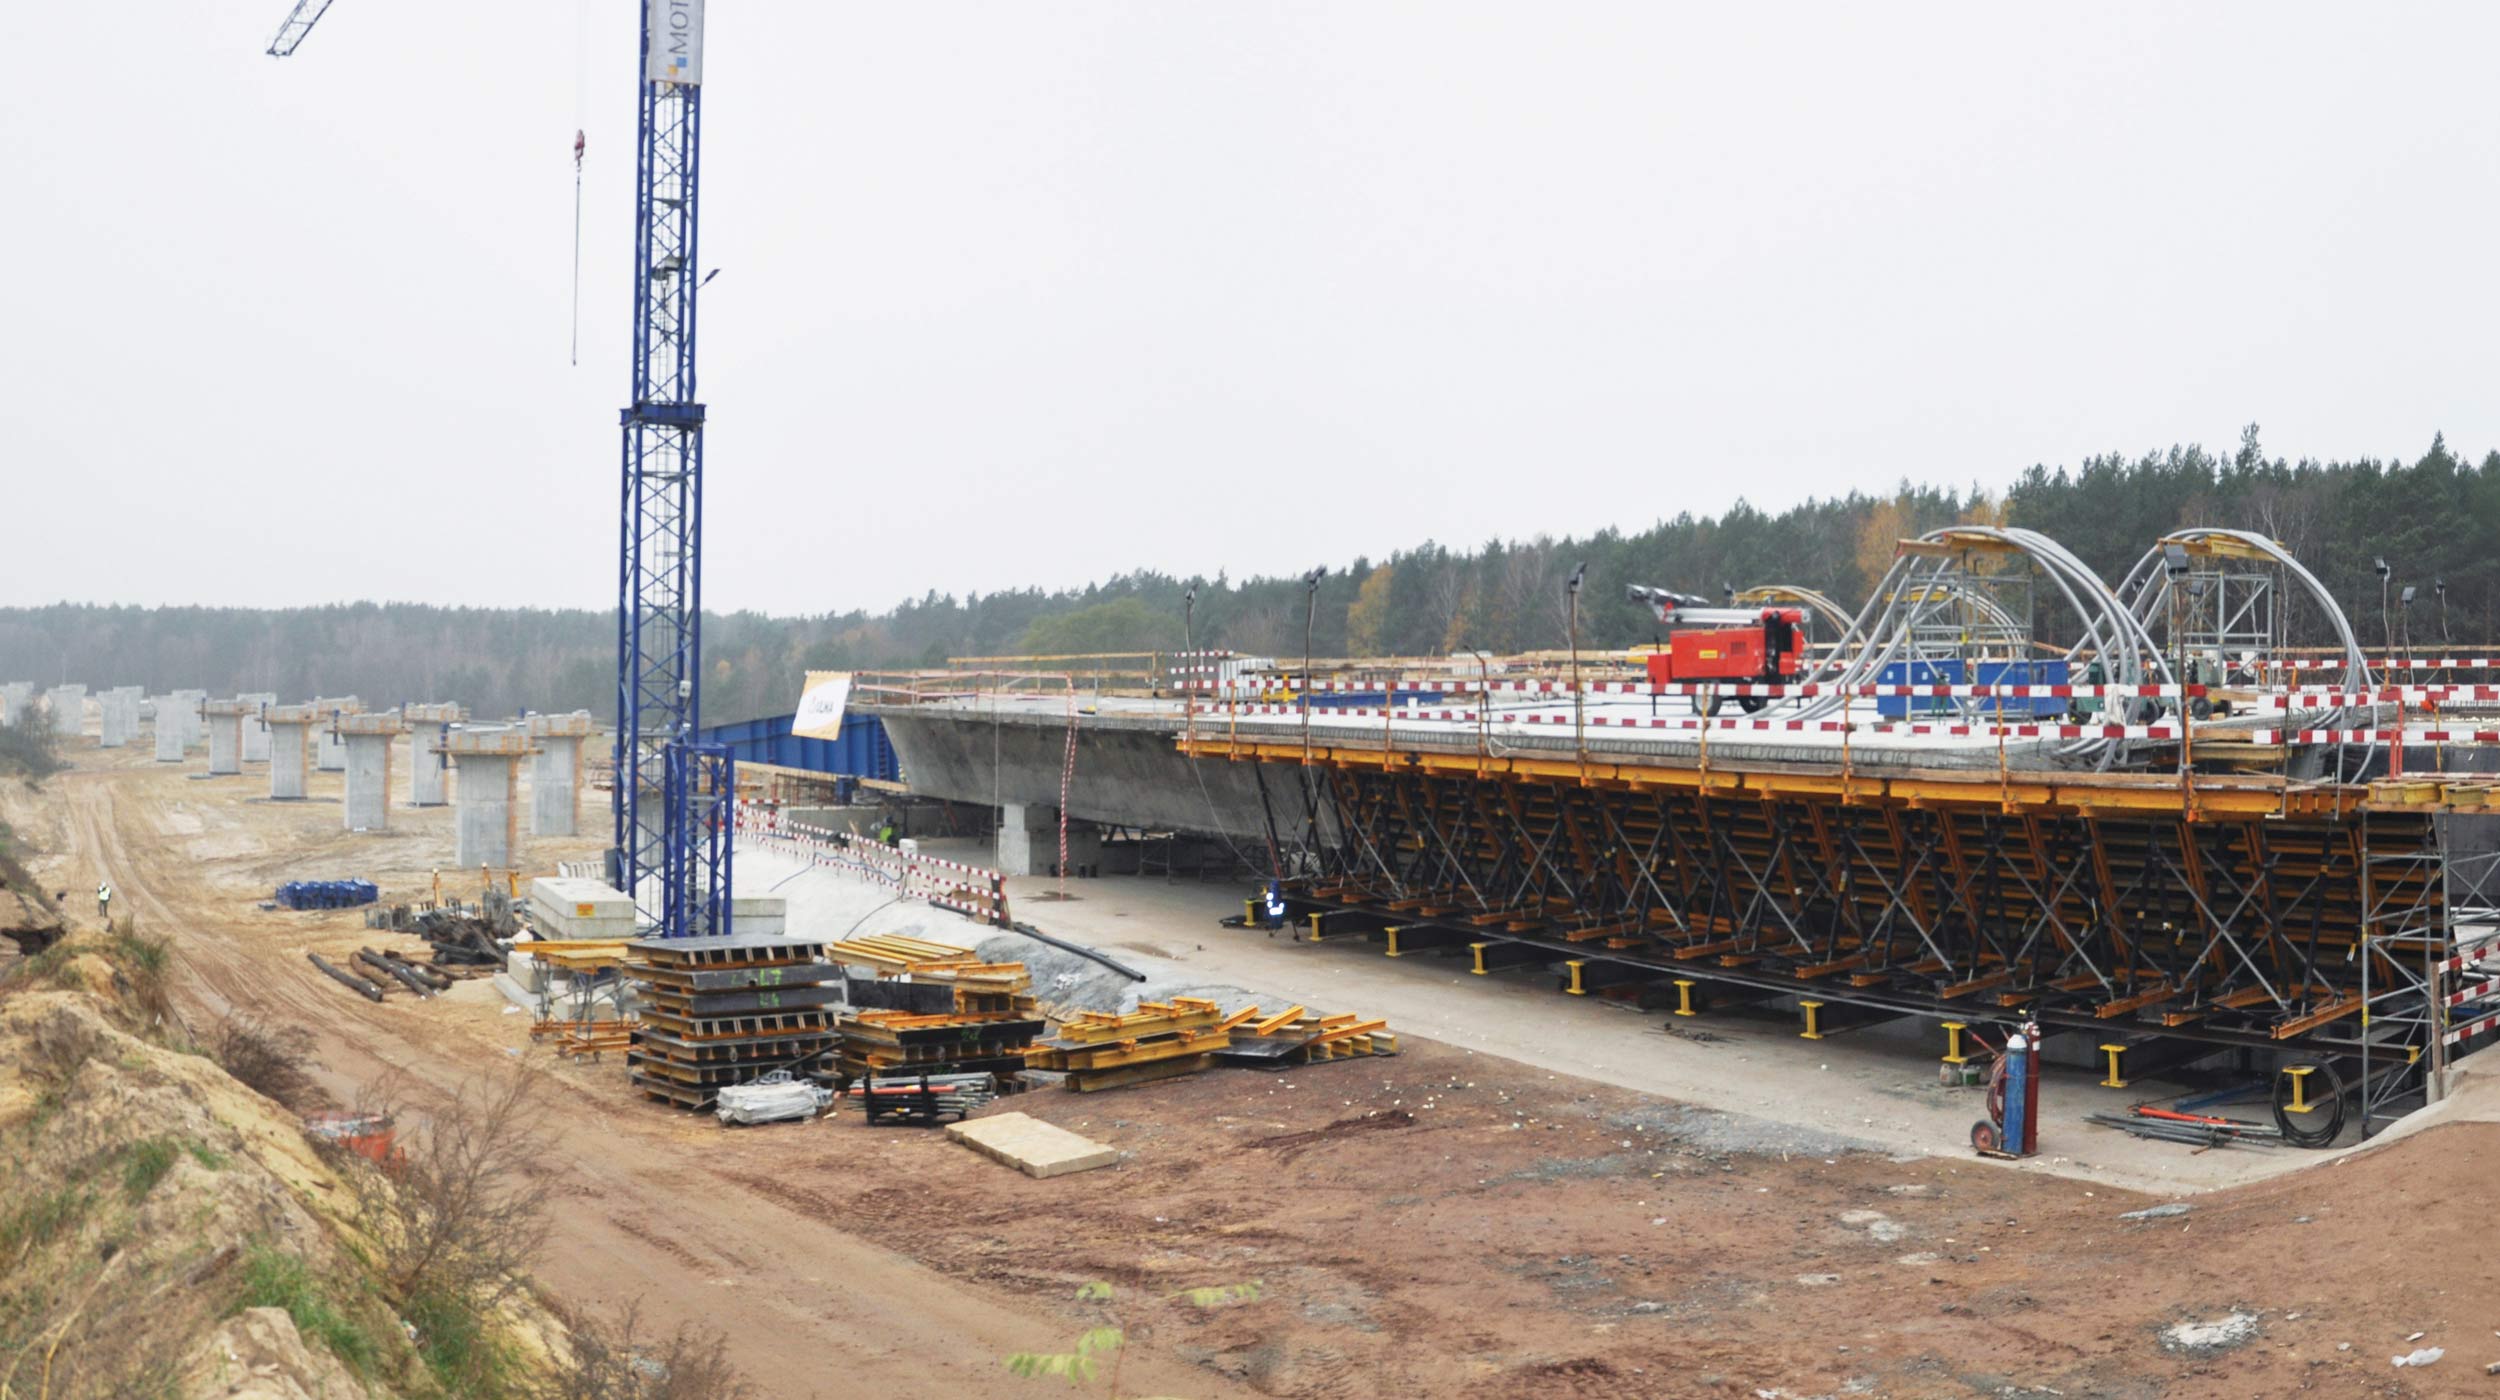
[675, 798]
[299, 22]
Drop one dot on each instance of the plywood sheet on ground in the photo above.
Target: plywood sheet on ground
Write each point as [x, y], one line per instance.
[1032, 1146]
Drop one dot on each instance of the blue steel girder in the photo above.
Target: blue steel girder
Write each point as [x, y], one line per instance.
[660, 576]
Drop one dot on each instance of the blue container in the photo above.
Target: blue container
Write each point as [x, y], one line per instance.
[326, 894]
[1949, 672]
[1371, 699]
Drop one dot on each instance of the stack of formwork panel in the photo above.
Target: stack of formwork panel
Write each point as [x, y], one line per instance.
[934, 1009]
[1159, 1040]
[721, 1011]
[1299, 1036]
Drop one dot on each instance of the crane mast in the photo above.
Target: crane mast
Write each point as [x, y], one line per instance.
[675, 798]
[672, 795]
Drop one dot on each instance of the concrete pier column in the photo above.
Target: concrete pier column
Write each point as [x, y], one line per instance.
[225, 720]
[125, 701]
[109, 733]
[194, 723]
[483, 793]
[368, 741]
[256, 733]
[173, 729]
[69, 708]
[427, 768]
[1028, 840]
[15, 697]
[290, 749]
[555, 773]
[330, 753]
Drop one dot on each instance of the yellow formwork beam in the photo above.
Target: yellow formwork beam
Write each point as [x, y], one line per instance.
[2212, 796]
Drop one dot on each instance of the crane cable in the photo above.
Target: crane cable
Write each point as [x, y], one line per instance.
[581, 60]
[578, 142]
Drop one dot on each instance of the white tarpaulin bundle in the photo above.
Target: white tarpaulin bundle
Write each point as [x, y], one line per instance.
[772, 1099]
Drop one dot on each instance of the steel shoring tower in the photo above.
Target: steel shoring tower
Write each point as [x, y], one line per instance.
[660, 852]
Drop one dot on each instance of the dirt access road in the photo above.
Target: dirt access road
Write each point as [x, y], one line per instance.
[1440, 1223]
[647, 1207]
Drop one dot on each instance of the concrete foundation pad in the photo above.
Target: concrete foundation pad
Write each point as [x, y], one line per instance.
[1032, 1146]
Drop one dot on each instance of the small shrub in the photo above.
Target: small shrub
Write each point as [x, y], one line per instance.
[266, 1059]
[29, 748]
[146, 1164]
[40, 1221]
[54, 965]
[273, 1278]
[611, 1360]
[457, 1346]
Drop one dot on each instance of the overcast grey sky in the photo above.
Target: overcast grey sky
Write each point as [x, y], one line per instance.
[1029, 293]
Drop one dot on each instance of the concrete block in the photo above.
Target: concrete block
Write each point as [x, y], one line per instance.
[565, 908]
[1032, 1146]
[758, 916]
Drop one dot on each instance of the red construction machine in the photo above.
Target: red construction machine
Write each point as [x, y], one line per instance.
[1706, 643]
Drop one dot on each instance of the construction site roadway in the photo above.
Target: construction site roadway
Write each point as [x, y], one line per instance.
[1444, 1222]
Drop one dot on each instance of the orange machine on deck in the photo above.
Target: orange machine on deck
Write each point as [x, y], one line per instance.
[1757, 645]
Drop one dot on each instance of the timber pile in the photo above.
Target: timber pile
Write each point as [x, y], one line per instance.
[1296, 1036]
[463, 938]
[933, 1009]
[724, 1011]
[374, 973]
[1159, 1040]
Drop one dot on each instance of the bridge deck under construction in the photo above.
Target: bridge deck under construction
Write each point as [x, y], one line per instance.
[2236, 908]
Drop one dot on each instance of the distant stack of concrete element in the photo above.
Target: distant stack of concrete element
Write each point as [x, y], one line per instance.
[255, 733]
[16, 697]
[331, 754]
[555, 773]
[290, 748]
[485, 805]
[225, 720]
[368, 740]
[427, 724]
[118, 716]
[68, 704]
[177, 715]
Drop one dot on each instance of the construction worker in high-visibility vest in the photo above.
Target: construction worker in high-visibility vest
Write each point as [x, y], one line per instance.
[104, 902]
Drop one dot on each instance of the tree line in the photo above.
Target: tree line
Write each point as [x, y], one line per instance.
[2430, 518]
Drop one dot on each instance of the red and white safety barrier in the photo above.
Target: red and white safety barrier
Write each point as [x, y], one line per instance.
[2382, 695]
[969, 890]
[2374, 736]
[1738, 689]
[2476, 1026]
[1759, 726]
